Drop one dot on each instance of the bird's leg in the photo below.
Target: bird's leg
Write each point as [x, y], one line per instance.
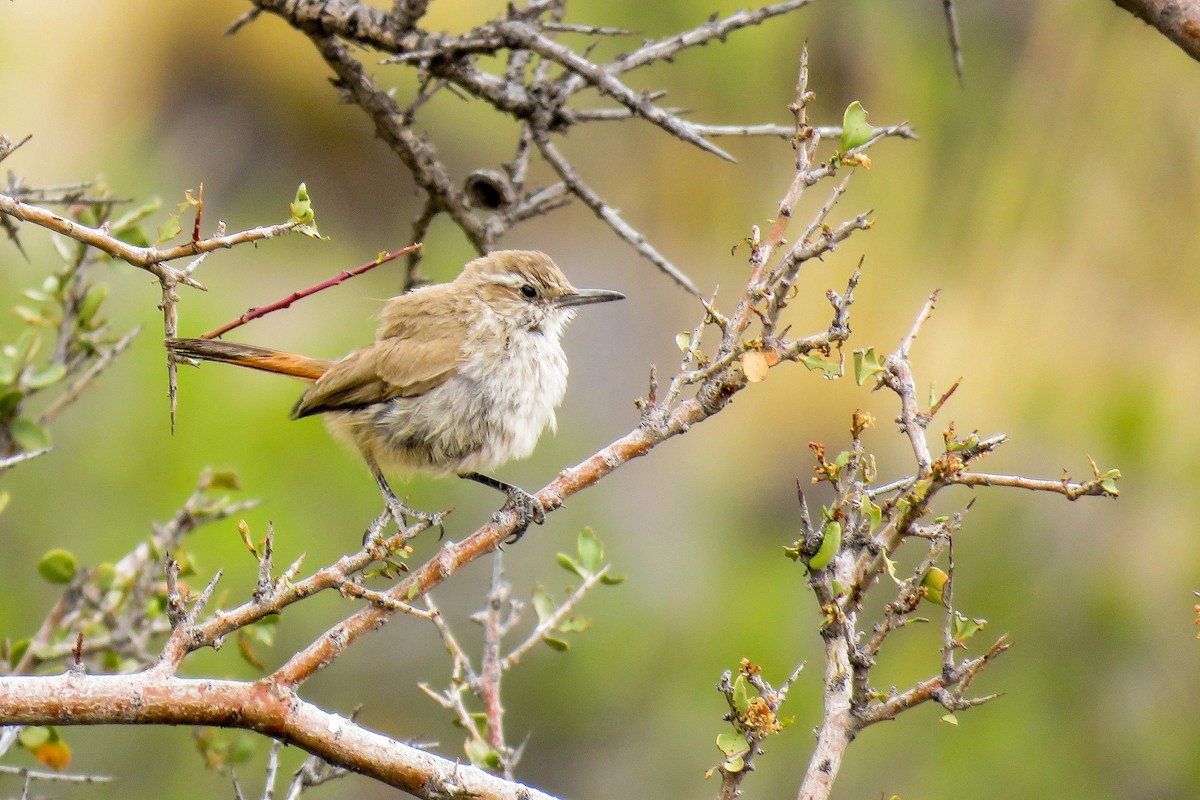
[399, 511]
[527, 507]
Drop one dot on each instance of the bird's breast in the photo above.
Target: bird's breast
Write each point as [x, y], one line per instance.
[521, 377]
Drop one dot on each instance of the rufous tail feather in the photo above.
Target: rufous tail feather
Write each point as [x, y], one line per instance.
[248, 355]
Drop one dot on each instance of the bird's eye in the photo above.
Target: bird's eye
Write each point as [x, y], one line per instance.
[529, 291]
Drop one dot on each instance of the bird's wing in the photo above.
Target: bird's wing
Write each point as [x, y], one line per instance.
[408, 361]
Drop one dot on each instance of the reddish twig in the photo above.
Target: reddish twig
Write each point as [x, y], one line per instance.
[345, 275]
[199, 215]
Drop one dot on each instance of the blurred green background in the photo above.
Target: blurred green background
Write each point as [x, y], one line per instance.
[1054, 200]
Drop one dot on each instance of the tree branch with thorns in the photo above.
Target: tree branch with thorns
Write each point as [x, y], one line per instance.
[851, 549]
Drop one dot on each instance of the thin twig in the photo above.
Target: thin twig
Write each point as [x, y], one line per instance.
[608, 214]
[13, 460]
[955, 45]
[60, 777]
[103, 362]
[341, 277]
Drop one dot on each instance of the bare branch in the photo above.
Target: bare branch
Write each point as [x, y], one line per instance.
[1068, 489]
[1178, 20]
[12, 461]
[156, 698]
[151, 259]
[939, 688]
[524, 36]
[60, 777]
[608, 214]
[955, 45]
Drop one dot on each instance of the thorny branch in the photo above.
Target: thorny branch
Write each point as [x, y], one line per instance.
[855, 544]
[749, 341]
[150, 258]
[700, 389]
[540, 77]
[126, 616]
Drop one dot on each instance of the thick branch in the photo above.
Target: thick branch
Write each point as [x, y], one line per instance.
[418, 155]
[838, 726]
[1178, 20]
[154, 698]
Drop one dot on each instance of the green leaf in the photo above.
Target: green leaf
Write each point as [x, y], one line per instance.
[831, 369]
[855, 128]
[732, 743]
[303, 214]
[135, 214]
[40, 296]
[28, 434]
[17, 651]
[963, 628]
[950, 719]
[866, 365]
[169, 229]
[574, 625]
[28, 344]
[543, 604]
[50, 374]
[1108, 481]
[570, 565]
[742, 694]
[612, 580]
[301, 207]
[591, 552]
[91, 301]
[34, 736]
[933, 585]
[29, 316]
[874, 514]
[735, 764]
[831, 542]
[557, 644]
[132, 234]
[58, 566]
[481, 754]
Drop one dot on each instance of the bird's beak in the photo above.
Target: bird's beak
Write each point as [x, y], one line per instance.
[583, 297]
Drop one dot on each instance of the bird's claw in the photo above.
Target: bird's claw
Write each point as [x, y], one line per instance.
[400, 514]
[527, 507]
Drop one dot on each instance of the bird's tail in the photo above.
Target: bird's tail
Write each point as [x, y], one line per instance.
[248, 355]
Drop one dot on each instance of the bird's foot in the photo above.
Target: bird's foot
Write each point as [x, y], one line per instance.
[401, 513]
[527, 508]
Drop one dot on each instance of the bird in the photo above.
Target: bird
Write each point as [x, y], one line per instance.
[461, 377]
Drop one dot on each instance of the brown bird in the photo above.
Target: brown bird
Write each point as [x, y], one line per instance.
[462, 376]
